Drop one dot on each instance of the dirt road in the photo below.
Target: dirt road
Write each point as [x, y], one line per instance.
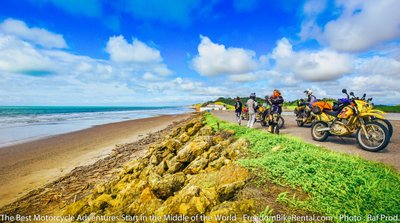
[389, 156]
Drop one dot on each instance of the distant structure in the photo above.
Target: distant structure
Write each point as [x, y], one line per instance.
[210, 107]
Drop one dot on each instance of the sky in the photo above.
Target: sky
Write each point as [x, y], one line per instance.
[179, 52]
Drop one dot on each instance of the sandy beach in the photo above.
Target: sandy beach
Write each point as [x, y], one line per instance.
[29, 165]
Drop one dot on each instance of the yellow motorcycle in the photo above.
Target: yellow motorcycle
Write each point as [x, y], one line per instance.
[303, 113]
[367, 107]
[347, 117]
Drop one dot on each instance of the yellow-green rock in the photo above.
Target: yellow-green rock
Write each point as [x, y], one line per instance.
[193, 149]
[173, 144]
[173, 165]
[231, 179]
[184, 137]
[166, 185]
[196, 165]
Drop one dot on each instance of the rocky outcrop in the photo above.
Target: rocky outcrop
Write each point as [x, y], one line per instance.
[192, 172]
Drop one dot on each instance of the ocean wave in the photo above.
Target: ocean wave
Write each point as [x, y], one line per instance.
[98, 117]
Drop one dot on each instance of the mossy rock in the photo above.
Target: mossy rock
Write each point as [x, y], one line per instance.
[196, 165]
[166, 185]
[190, 201]
[231, 179]
[205, 131]
[203, 180]
[189, 125]
[161, 168]
[193, 149]
[173, 145]
[218, 163]
[195, 128]
[176, 132]
[101, 202]
[147, 203]
[184, 137]
[236, 149]
[131, 191]
[134, 167]
[217, 139]
[174, 166]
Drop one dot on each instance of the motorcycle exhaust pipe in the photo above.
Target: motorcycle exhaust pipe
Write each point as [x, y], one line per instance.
[322, 129]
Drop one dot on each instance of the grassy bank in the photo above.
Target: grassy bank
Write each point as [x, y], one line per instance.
[337, 184]
[387, 108]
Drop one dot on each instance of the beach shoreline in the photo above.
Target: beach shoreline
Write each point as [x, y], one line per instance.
[29, 165]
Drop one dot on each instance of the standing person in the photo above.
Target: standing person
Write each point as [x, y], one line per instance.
[238, 110]
[251, 105]
[276, 101]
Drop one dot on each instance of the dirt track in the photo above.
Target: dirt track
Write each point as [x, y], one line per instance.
[390, 155]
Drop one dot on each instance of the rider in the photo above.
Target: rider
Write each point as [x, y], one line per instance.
[276, 101]
[310, 100]
[251, 105]
[310, 97]
[238, 110]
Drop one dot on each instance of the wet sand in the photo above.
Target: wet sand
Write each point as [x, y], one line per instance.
[29, 165]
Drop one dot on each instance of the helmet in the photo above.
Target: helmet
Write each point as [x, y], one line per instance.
[266, 97]
[276, 93]
[253, 95]
[308, 92]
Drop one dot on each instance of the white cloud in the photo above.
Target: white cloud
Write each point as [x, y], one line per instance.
[148, 76]
[321, 65]
[363, 24]
[377, 65]
[314, 7]
[249, 77]
[137, 52]
[31, 74]
[214, 59]
[136, 56]
[19, 56]
[34, 35]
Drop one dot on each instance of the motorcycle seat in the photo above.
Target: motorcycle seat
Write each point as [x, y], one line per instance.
[332, 113]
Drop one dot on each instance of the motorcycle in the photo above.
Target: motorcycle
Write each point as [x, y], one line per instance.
[366, 106]
[303, 113]
[245, 113]
[265, 121]
[346, 118]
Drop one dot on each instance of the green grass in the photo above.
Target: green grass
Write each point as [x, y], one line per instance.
[337, 184]
[387, 108]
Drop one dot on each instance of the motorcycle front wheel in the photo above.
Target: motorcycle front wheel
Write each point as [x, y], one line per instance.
[378, 137]
[319, 135]
[387, 124]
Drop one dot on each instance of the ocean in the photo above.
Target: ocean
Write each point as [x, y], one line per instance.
[23, 123]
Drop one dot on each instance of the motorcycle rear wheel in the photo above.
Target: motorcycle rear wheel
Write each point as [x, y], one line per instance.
[374, 130]
[319, 136]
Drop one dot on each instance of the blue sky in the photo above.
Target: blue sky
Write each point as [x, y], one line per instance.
[176, 52]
